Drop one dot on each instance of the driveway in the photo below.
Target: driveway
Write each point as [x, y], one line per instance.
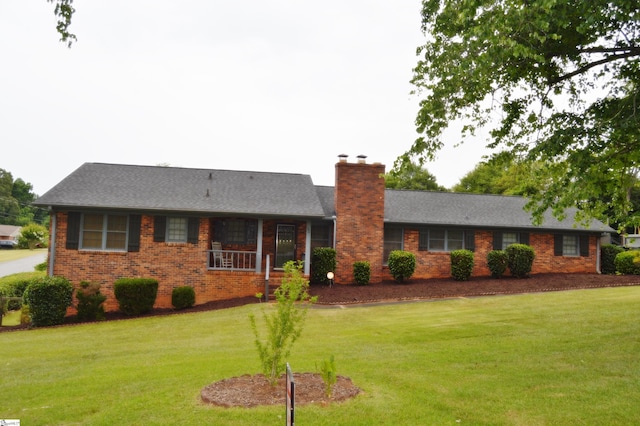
[26, 264]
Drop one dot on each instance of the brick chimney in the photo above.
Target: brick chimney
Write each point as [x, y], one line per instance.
[359, 207]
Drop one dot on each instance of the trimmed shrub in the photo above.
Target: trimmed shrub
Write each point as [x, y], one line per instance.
[136, 296]
[520, 259]
[362, 272]
[183, 297]
[48, 299]
[14, 288]
[497, 262]
[323, 260]
[628, 262]
[402, 265]
[90, 302]
[608, 253]
[461, 264]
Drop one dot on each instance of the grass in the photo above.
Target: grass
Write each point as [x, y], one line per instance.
[552, 358]
[15, 254]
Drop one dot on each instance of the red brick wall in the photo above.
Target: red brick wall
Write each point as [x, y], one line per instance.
[172, 264]
[438, 264]
[359, 205]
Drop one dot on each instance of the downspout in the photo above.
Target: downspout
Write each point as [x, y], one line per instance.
[52, 245]
[307, 250]
[598, 255]
[334, 232]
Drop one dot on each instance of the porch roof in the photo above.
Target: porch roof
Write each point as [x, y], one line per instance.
[154, 188]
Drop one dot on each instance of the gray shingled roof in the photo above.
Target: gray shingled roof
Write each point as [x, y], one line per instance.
[106, 186]
[115, 186]
[473, 210]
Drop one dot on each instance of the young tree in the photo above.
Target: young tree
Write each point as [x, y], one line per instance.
[284, 326]
[561, 76]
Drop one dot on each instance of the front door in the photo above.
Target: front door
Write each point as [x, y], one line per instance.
[285, 244]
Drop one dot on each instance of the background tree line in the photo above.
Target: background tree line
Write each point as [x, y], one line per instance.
[16, 197]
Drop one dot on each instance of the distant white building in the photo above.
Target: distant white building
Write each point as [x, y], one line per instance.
[9, 235]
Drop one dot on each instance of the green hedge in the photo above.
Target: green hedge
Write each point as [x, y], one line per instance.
[497, 262]
[361, 272]
[323, 260]
[48, 299]
[461, 264]
[608, 253]
[136, 296]
[628, 262]
[90, 302]
[183, 297]
[520, 259]
[402, 265]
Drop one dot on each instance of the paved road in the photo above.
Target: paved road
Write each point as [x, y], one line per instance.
[26, 264]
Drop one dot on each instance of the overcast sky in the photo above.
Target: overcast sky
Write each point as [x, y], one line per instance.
[264, 85]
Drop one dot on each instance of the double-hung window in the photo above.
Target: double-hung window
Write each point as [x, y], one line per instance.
[104, 232]
[392, 241]
[177, 229]
[440, 239]
[503, 239]
[571, 245]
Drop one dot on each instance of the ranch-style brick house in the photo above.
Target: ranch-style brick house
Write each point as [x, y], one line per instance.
[223, 231]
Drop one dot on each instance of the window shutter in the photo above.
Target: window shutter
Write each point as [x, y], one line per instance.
[193, 228]
[497, 240]
[524, 238]
[159, 228]
[252, 232]
[470, 240]
[584, 245]
[73, 230]
[557, 244]
[134, 232]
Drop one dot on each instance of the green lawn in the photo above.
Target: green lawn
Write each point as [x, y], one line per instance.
[15, 254]
[539, 359]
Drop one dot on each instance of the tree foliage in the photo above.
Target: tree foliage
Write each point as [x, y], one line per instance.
[15, 202]
[557, 81]
[64, 11]
[501, 174]
[412, 176]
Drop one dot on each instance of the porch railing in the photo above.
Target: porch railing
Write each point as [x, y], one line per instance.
[228, 260]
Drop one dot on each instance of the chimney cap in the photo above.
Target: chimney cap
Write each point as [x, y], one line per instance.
[343, 157]
[362, 158]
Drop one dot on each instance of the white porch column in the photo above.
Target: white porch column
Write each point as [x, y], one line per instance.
[259, 249]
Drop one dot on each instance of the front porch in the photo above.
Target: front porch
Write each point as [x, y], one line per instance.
[260, 245]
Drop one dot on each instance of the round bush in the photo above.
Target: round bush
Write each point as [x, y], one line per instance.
[520, 259]
[461, 264]
[90, 302]
[497, 262]
[402, 265]
[361, 272]
[136, 296]
[183, 297]
[608, 253]
[628, 262]
[48, 299]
